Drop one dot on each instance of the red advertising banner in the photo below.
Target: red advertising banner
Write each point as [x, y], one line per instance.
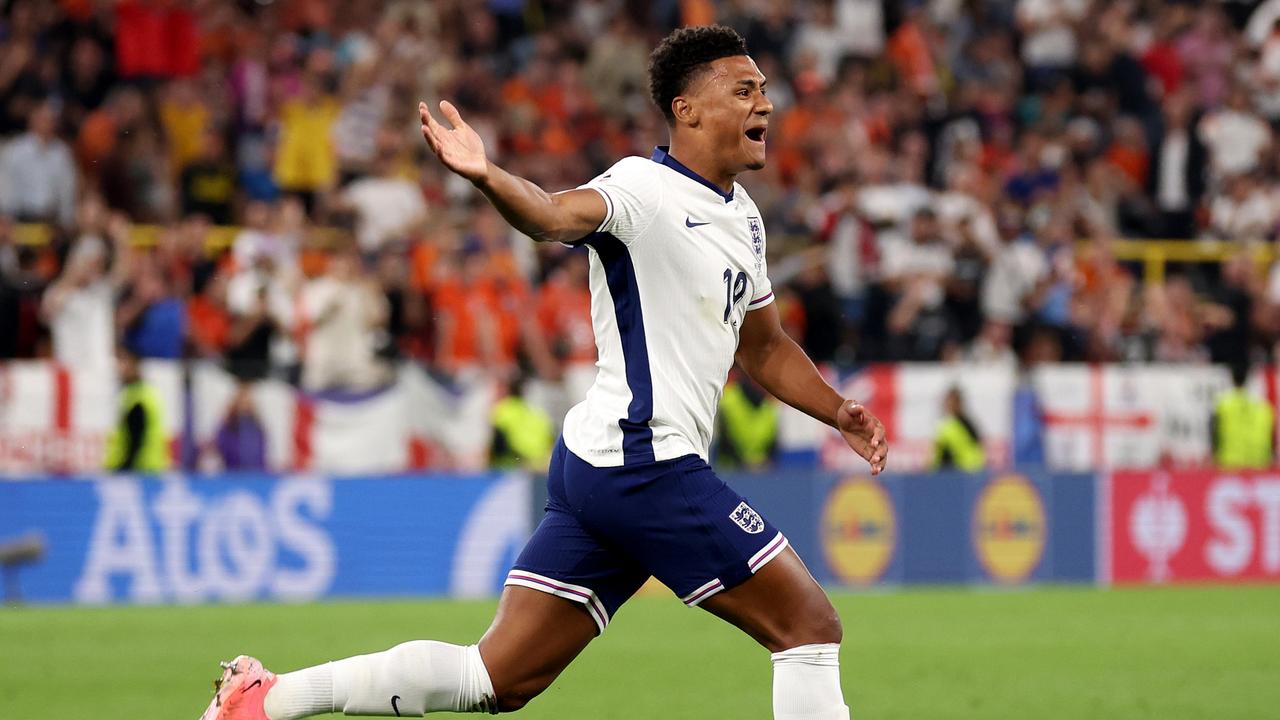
[1176, 526]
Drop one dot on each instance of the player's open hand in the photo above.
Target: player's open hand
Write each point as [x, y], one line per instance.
[864, 432]
[459, 147]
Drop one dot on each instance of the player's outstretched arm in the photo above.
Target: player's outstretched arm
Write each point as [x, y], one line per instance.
[779, 365]
[557, 217]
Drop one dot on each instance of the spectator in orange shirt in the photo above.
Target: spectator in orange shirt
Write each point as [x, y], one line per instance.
[482, 321]
[467, 342]
[564, 317]
[564, 311]
[467, 335]
[909, 49]
[1128, 152]
[207, 317]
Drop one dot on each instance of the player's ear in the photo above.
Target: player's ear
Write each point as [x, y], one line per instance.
[684, 112]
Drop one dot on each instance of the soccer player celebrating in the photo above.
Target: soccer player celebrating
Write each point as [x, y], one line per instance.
[679, 292]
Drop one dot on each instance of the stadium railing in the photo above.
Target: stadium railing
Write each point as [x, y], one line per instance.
[1155, 255]
[219, 237]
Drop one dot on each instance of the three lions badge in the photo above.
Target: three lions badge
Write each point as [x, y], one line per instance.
[747, 519]
[757, 240]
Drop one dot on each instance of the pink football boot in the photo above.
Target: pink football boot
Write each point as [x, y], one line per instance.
[240, 692]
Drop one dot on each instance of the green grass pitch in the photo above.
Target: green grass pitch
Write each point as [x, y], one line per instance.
[1192, 652]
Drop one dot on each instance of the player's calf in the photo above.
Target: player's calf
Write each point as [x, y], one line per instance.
[533, 638]
[817, 624]
[781, 607]
[785, 610]
[408, 680]
[806, 670]
[806, 684]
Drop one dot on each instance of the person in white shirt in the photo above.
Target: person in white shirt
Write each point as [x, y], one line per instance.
[1016, 272]
[959, 205]
[387, 205]
[342, 311]
[1237, 139]
[37, 172]
[915, 270]
[836, 30]
[1244, 210]
[679, 291]
[1048, 28]
[79, 307]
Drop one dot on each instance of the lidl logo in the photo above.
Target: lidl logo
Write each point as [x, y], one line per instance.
[859, 530]
[1009, 528]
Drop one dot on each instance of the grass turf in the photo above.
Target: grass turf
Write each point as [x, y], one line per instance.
[1190, 652]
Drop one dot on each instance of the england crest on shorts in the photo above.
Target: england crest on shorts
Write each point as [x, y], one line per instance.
[747, 519]
[757, 239]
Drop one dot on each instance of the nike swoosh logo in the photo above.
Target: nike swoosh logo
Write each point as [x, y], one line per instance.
[689, 223]
[252, 685]
[395, 699]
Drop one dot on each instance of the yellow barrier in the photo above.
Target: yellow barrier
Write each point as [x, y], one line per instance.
[219, 237]
[1156, 254]
[32, 234]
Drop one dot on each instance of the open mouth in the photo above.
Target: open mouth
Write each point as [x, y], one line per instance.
[756, 134]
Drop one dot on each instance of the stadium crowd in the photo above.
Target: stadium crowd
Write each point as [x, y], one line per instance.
[946, 178]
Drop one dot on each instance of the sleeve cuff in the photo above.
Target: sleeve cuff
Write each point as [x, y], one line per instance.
[760, 302]
[608, 204]
[606, 222]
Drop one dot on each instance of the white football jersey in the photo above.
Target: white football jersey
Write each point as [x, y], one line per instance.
[675, 267]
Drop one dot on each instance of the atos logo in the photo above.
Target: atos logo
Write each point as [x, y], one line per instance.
[1009, 528]
[186, 546]
[859, 530]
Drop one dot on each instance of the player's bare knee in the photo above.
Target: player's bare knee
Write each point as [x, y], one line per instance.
[510, 703]
[514, 696]
[828, 628]
[819, 626]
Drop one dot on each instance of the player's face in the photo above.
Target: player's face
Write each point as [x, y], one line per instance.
[734, 111]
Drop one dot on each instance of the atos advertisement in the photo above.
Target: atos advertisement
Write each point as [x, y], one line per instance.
[1192, 526]
[228, 538]
[235, 538]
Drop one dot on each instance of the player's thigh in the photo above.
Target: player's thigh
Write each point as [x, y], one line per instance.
[679, 522]
[533, 638]
[781, 606]
[561, 592]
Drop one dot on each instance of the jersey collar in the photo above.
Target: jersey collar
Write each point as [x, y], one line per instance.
[662, 156]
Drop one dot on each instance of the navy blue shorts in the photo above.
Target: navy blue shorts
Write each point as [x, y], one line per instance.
[607, 530]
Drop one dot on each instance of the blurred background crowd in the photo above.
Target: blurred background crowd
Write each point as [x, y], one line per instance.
[947, 180]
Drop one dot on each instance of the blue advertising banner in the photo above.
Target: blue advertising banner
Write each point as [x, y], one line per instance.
[246, 537]
[938, 528]
[262, 537]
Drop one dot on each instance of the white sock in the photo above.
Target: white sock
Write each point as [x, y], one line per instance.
[301, 694]
[406, 681]
[806, 684]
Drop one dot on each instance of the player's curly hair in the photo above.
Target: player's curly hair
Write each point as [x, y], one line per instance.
[684, 53]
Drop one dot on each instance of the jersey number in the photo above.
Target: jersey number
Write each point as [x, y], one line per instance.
[734, 289]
